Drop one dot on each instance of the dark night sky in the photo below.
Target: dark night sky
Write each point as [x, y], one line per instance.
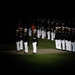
[11, 12]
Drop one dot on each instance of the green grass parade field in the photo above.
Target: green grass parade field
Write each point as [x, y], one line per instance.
[47, 59]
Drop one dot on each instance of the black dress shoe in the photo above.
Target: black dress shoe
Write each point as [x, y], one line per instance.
[17, 51]
[21, 50]
[34, 53]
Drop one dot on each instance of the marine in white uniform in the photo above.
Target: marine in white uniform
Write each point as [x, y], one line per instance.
[17, 40]
[35, 41]
[26, 40]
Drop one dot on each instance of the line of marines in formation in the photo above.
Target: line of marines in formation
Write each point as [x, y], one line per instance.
[59, 30]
